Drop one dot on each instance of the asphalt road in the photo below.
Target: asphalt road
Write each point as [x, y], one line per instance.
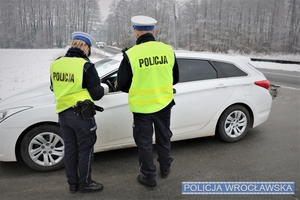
[111, 50]
[270, 152]
[282, 78]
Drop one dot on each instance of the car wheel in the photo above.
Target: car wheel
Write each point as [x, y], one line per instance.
[233, 124]
[42, 148]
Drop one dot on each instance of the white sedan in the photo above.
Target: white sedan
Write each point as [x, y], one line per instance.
[216, 95]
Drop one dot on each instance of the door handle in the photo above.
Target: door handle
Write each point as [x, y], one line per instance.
[221, 86]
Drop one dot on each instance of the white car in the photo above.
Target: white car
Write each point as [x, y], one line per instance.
[217, 94]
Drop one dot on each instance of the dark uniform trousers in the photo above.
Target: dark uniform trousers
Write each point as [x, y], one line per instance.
[79, 136]
[143, 133]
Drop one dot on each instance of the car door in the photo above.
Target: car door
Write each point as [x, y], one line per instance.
[114, 124]
[200, 93]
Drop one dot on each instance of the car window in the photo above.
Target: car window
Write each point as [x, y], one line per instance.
[229, 70]
[111, 81]
[105, 65]
[195, 70]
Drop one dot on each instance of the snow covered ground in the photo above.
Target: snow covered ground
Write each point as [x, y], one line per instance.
[24, 68]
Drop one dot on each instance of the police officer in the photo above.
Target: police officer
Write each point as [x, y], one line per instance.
[76, 84]
[147, 73]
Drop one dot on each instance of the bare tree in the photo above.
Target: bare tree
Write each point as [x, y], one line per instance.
[203, 25]
[45, 23]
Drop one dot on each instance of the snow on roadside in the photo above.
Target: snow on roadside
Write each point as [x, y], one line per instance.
[276, 66]
[24, 68]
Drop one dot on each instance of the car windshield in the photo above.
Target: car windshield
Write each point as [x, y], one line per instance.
[105, 65]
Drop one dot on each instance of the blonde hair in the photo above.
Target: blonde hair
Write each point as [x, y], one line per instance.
[81, 45]
[78, 44]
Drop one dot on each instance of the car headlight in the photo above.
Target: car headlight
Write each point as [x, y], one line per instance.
[4, 114]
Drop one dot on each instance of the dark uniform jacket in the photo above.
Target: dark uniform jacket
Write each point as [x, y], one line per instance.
[124, 80]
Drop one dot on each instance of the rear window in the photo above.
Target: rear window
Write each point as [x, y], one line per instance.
[229, 70]
[195, 70]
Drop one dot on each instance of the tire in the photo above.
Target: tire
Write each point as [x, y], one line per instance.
[233, 124]
[42, 148]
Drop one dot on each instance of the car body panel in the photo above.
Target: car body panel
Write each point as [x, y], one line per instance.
[10, 130]
[203, 103]
[118, 132]
[199, 105]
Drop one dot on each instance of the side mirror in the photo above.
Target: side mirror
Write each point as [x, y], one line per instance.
[105, 87]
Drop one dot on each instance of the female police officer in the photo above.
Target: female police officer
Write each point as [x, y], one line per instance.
[76, 84]
[147, 73]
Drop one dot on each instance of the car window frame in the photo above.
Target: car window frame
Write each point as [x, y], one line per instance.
[231, 63]
[110, 76]
[219, 74]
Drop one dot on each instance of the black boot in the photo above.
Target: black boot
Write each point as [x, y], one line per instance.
[146, 182]
[93, 187]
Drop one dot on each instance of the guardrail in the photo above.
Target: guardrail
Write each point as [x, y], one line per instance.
[275, 61]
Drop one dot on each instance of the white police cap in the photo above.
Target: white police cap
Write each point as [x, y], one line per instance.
[143, 23]
[84, 37]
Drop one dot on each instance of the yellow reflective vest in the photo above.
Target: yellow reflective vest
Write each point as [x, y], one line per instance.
[152, 83]
[66, 75]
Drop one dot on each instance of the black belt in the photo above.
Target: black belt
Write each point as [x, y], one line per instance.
[78, 108]
[98, 108]
[86, 108]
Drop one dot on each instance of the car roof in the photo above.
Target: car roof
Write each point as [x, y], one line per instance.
[200, 55]
[240, 61]
[211, 56]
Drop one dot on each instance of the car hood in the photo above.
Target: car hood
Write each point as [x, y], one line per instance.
[34, 96]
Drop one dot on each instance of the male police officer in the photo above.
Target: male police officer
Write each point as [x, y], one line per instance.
[76, 84]
[147, 73]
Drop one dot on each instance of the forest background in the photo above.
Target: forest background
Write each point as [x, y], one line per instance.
[256, 26]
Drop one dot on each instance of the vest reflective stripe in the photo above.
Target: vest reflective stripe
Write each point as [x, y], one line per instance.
[151, 101]
[152, 83]
[152, 91]
[68, 101]
[66, 76]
